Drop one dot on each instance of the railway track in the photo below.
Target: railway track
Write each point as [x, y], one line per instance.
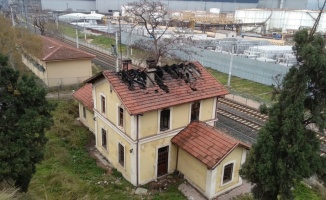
[250, 118]
[232, 110]
[105, 60]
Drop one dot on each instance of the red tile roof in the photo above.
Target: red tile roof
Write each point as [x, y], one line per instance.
[207, 144]
[84, 95]
[54, 50]
[139, 100]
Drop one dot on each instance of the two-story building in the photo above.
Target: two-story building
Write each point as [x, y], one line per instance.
[152, 122]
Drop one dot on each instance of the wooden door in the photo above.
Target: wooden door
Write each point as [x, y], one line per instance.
[162, 161]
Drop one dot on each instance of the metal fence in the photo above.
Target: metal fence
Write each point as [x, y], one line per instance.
[254, 70]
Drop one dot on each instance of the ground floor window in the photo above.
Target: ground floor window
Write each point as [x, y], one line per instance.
[104, 139]
[121, 150]
[227, 174]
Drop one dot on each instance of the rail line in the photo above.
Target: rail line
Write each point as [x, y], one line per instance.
[106, 61]
[254, 122]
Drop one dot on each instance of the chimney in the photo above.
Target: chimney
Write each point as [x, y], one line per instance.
[150, 72]
[125, 64]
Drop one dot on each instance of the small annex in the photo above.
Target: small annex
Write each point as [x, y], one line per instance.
[155, 121]
[209, 159]
[59, 64]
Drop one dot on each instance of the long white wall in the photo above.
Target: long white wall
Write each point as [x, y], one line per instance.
[284, 19]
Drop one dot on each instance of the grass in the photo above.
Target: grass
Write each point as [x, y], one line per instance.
[302, 192]
[245, 88]
[68, 171]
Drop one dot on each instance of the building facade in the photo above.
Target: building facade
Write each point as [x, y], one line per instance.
[137, 113]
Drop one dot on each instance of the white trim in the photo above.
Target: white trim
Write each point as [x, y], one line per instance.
[243, 156]
[211, 183]
[106, 137]
[133, 126]
[160, 136]
[232, 176]
[200, 109]
[214, 108]
[114, 128]
[156, 159]
[124, 156]
[101, 106]
[159, 121]
[228, 189]
[118, 117]
[94, 91]
[133, 164]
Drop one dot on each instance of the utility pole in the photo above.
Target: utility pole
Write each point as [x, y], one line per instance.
[77, 36]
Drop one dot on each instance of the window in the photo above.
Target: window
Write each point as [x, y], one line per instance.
[121, 150]
[103, 103]
[84, 112]
[165, 120]
[195, 111]
[228, 171]
[104, 139]
[120, 118]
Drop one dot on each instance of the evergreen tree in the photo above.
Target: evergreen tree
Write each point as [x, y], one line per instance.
[24, 116]
[286, 150]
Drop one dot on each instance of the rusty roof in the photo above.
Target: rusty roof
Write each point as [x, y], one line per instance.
[84, 95]
[55, 50]
[206, 143]
[139, 99]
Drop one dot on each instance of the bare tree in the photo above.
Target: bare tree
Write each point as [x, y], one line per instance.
[40, 23]
[152, 16]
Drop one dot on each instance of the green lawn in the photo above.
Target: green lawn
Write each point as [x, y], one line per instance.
[68, 171]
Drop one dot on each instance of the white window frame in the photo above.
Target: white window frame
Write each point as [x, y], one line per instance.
[124, 155]
[101, 104]
[159, 120]
[232, 176]
[106, 137]
[200, 106]
[84, 112]
[118, 118]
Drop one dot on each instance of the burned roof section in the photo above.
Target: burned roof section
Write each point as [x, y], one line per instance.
[143, 90]
[156, 75]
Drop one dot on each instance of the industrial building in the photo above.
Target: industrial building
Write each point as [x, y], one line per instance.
[104, 6]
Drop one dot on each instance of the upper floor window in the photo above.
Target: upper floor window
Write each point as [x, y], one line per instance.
[195, 111]
[120, 117]
[121, 151]
[227, 173]
[104, 139]
[84, 112]
[165, 120]
[103, 104]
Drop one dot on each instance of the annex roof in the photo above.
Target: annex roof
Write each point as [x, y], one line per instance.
[206, 143]
[176, 90]
[55, 50]
[84, 95]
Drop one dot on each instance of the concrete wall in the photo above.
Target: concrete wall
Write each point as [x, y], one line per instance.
[41, 74]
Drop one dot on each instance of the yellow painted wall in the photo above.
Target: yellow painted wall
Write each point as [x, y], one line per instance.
[112, 103]
[206, 110]
[111, 153]
[68, 72]
[148, 159]
[89, 120]
[148, 124]
[193, 169]
[236, 155]
[180, 116]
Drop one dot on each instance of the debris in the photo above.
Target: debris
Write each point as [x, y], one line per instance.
[141, 191]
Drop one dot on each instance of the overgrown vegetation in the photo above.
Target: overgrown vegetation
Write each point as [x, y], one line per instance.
[69, 172]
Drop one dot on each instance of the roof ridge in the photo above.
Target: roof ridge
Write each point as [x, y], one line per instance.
[57, 48]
